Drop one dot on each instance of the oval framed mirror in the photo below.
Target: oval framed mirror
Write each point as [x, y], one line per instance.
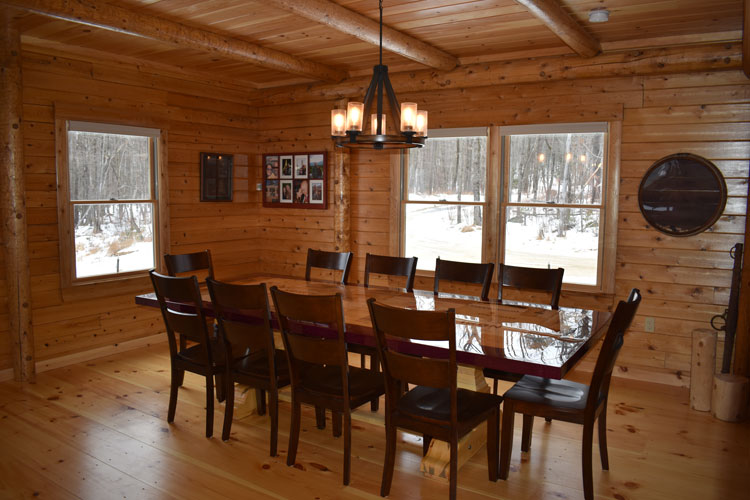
[682, 194]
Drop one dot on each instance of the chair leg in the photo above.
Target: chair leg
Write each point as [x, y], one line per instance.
[588, 480]
[494, 386]
[273, 410]
[375, 404]
[548, 420]
[347, 446]
[320, 417]
[336, 423]
[209, 406]
[453, 480]
[493, 443]
[180, 377]
[174, 385]
[426, 440]
[603, 439]
[291, 456]
[506, 439]
[228, 412]
[362, 360]
[390, 458]
[528, 426]
[260, 401]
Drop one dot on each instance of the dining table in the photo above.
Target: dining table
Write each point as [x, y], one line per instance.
[516, 337]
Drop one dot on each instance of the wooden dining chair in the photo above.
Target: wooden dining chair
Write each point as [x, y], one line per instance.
[335, 261]
[178, 264]
[204, 356]
[464, 272]
[312, 328]
[543, 282]
[434, 406]
[570, 401]
[391, 266]
[245, 332]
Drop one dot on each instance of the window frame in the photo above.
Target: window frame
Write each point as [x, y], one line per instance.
[158, 181]
[608, 204]
[493, 231]
[403, 189]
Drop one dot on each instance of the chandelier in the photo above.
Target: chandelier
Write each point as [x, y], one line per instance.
[347, 124]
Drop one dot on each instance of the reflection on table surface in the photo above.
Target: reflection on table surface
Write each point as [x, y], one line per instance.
[512, 336]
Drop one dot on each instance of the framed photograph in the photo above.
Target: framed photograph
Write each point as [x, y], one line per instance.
[315, 170]
[286, 192]
[216, 176]
[316, 190]
[287, 167]
[272, 167]
[271, 194]
[300, 166]
[295, 180]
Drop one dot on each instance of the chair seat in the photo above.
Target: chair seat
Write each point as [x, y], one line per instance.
[559, 394]
[327, 380]
[435, 404]
[257, 366]
[197, 354]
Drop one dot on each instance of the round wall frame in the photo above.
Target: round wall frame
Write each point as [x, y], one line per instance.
[682, 194]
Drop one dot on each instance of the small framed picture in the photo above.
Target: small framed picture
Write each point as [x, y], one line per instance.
[272, 191]
[317, 161]
[301, 191]
[316, 190]
[295, 180]
[300, 166]
[287, 168]
[286, 192]
[216, 176]
[272, 167]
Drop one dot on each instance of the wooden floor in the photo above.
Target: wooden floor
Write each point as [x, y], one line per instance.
[98, 430]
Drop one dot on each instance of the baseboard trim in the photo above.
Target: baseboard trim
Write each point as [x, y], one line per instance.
[79, 357]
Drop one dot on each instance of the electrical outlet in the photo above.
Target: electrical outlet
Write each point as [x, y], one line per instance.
[649, 325]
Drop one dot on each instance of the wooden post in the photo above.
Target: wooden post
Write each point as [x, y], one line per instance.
[741, 364]
[729, 401]
[702, 368]
[342, 197]
[12, 201]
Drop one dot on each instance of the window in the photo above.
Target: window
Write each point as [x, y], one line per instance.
[443, 197]
[107, 200]
[552, 204]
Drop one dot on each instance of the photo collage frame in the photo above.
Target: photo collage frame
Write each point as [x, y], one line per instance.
[295, 180]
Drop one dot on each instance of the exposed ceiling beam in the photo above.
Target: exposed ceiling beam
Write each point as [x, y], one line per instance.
[746, 40]
[110, 17]
[364, 28]
[565, 27]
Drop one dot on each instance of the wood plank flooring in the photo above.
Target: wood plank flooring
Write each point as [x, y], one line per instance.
[98, 430]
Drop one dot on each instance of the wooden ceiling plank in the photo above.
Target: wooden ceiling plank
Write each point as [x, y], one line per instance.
[364, 28]
[552, 14]
[110, 17]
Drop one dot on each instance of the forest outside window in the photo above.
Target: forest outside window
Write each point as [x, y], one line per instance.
[109, 200]
[443, 197]
[553, 207]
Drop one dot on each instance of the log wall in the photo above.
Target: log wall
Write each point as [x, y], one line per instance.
[197, 117]
[684, 280]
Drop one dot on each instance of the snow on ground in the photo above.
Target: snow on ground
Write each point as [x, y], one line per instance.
[95, 257]
[432, 231]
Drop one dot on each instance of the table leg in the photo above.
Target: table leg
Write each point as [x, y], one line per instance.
[436, 463]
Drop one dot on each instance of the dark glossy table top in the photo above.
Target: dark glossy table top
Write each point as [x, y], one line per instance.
[514, 337]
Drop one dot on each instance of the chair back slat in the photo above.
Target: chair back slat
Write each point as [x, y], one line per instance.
[409, 324]
[299, 315]
[189, 263]
[613, 341]
[243, 315]
[419, 371]
[548, 281]
[183, 290]
[391, 266]
[464, 272]
[335, 261]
